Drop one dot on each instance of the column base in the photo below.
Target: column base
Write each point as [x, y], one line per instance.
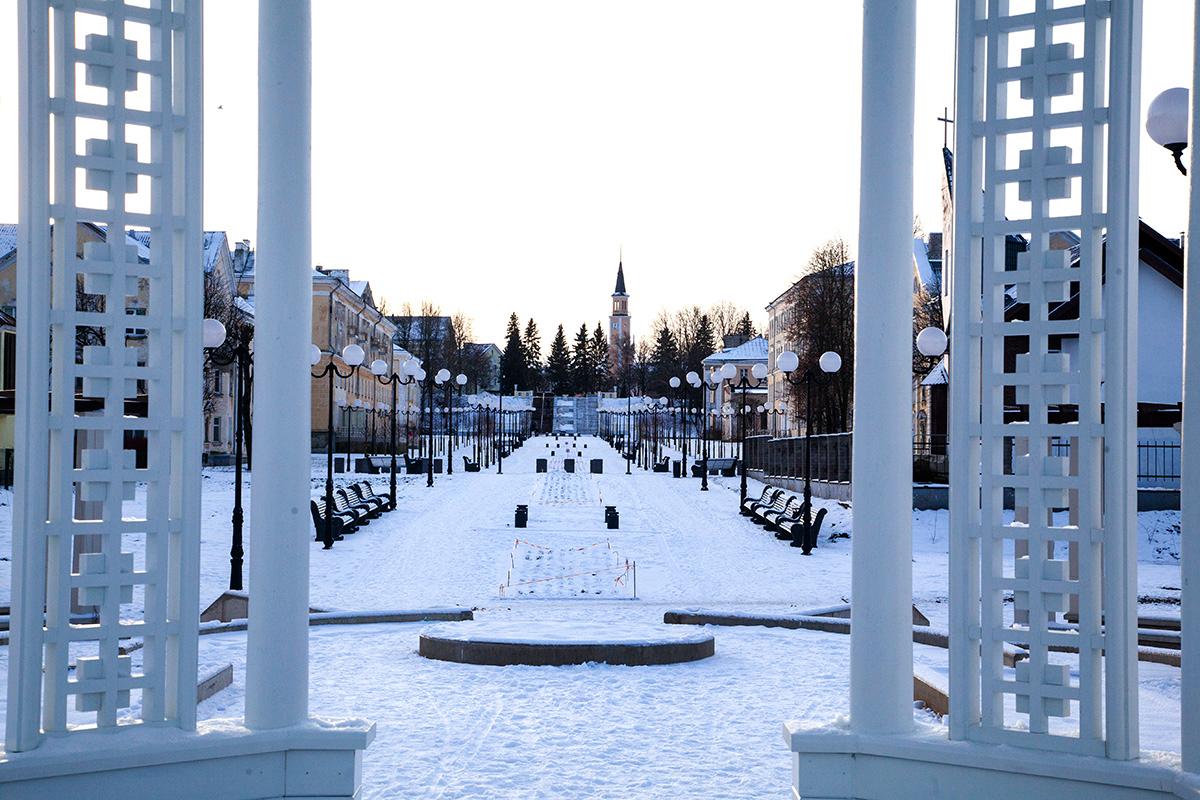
[318, 759]
[832, 763]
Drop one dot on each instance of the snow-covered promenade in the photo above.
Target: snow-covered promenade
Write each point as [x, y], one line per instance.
[706, 729]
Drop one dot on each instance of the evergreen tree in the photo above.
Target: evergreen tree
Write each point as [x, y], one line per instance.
[664, 361]
[601, 367]
[532, 341]
[746, 327]
[704, 346]
[512, 360]
[581, 362]
[558, 367]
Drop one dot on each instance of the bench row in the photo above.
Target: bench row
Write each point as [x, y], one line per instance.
[353, 506]
[782, 512]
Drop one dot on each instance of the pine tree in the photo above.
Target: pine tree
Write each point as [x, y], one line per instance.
[532, 341]
[746, 327]
[512, 360]
[558, 366]
[704, 346]
[581, 362]
[601, 367]
[664, 360]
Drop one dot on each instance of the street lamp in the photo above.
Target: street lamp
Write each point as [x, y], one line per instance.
[353, 356]
[379, 368]
[1167, 123]
[460, 381]
[788, 362]
[675, 384]
[213, 334]
[729, 371]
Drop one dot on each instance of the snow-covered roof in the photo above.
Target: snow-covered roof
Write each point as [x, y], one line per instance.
[8, 238]
[939, 375]
[921, 262]
[746, 353]
[358, 287]
[244, 305]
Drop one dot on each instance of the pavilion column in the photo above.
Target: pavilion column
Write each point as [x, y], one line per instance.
[1190, 482]
[881, 632]
[277, 643]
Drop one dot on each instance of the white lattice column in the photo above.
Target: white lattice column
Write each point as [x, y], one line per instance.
[277, 647]
[1190, 482]
[881, 638]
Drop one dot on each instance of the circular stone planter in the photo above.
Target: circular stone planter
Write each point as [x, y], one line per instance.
[558, 644]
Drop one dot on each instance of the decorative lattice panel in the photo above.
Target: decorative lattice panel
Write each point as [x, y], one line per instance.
[1042, 162]
[109, 280]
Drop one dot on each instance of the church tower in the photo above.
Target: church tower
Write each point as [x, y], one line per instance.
[618, 323]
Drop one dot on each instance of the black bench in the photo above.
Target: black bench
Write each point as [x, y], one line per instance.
[663, 465]
[363, 492]
[361, 512]
[726, 467]
[340, 523]
[469, 465]
[750, 505]
[794, 530]
[783, 505]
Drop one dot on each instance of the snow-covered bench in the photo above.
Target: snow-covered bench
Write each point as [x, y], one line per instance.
[469, 465]
[662, 465]
[726, 467]
[361, 512]
[750, 505]
[363, 492]
[341, 523]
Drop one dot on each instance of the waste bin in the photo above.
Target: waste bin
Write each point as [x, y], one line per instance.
[569, 464]
[676, 469]
[522, 516]
[541, 465]
[597, 466]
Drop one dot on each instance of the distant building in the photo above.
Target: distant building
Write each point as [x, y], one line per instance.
[721, 404]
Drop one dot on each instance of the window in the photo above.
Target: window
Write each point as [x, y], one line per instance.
[216, 437]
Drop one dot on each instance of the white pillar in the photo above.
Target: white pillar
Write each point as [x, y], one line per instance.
[881, 632]
[277, 645]
[1190, 482]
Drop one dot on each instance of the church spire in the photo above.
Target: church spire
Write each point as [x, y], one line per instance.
[620, 276]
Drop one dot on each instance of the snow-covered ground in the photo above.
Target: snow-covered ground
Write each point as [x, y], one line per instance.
[705, 729]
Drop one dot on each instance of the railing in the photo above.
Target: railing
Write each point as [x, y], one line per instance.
[783, 457]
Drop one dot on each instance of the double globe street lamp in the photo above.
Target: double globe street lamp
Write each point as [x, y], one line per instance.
[829, 363]
[728, 373]
[352, 356]
[213, 334]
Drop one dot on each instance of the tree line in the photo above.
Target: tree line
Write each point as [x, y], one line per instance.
[681, 340]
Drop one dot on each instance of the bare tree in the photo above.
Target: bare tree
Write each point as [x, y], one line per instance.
[822, 320]
[927, 313]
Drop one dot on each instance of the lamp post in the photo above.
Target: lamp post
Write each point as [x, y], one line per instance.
[353, 356]
[379, 369]
[1167, 122]
[500, 422]
[213, 333]
[728, 372]
[675, 384]
[441, 377]
[787, 363]
[703, 385]
[460, 381]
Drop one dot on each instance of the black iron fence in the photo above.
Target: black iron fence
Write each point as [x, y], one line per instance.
[830, 459]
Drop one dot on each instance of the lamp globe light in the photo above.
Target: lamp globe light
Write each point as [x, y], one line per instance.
[830, 362]
[353, 355]
[787, 361]
[213, 333]
[931, 342]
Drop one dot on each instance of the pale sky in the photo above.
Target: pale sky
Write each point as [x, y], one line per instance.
[494, 156]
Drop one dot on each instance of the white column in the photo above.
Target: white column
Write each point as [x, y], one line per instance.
[277, 646]
[1190, 482]
[881, 632]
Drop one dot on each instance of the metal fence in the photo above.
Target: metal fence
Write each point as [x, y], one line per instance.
[783, 457]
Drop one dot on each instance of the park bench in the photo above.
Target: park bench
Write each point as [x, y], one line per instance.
[361, 511]
[363, 493]
[782, 506]
[794, 530]
[469, 465]
[750, 505]
[663, 465]
[341, 524]
[794, 514]
[726, 467]
[373, 465]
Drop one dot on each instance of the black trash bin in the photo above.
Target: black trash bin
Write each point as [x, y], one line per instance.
[541, 465]
[522, 516]
[569, 464]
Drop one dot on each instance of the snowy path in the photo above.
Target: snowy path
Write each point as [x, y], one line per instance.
[707, 729]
